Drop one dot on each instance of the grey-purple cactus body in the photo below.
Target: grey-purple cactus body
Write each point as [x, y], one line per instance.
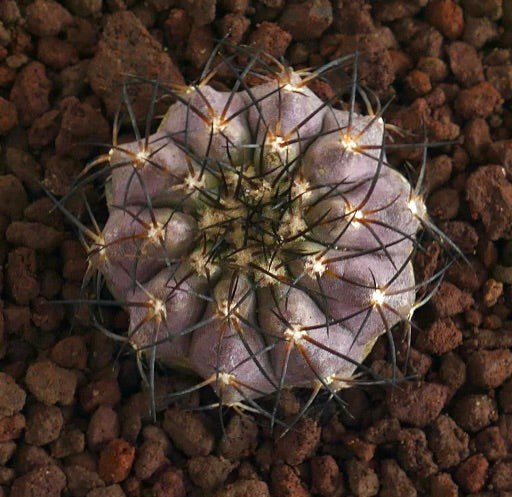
[259, 239]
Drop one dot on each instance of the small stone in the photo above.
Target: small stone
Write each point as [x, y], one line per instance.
[244, 488]
[489, 368]
[70, 352]
[450, 300]
[36, 236]
[239, 438]
[12, 397]
[285, 482]
[442, 485]
[492, 291]
[480, 100]
[446, 16]
[103, 427]
[43, 424]
[465, 64]
[417, 404]
[209, 472]
[362, 479]
[299, 443]
[440, 337]
[14, 198]
[189, 431]
[394, 481]
[449, 443]
[474, 412]
[471, 474]
[326, 478]
[116, 461]
[170, 484]
[501, 477]
[51, 384]
[271, 39]
[110, 491]
[46, 481]
[491, 444]
[8, 116]
[31, 91]
[47, 18]
[306, 20]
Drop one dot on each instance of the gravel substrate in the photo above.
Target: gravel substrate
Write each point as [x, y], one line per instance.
[74, 417]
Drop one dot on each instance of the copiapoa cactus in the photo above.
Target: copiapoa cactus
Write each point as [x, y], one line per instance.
[258, 238]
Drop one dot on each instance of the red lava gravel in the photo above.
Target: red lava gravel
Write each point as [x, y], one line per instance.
[74, 414]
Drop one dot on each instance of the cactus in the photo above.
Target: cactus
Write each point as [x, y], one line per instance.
[259, 238]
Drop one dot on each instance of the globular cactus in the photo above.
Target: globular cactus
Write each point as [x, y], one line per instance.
[259, 237]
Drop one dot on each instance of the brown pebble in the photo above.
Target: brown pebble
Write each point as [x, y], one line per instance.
[170, 484]
[110, 491]
[244, 488]
[491, 292]
[271, 39]
[465, 64]
[11, 427]
[8, 116]
[43, 424]
[493, 9]
[30, 92]
[199, 45]
[326, 478]
[471, 474]
[442, 485]
[70, 441]
[449, 443]
[306, 20]
[239, 438]
[474, 412]
[491, 444]
[501, 477]
[102, 392]
[150, 458]
[12, 397]
[209, 472]
[21, 275]
[285, 482]
[446, 16]
[489, 368]
[480, 100]
[51, 384]
[434, 67]
[56, 53]
[47, 18]
[70, 352]
[362, 479]
[413, 453]
[116, 461]
[418, 83]
[299, 443]
[440, 337]
[489, 195]
[34, 235]
[394, 481]
[46, 481]
[14, 198]
[116, 56]
[82, 479]
[417, 404]
[477, 138]
[189, 432]
[450, 300]
[103, 427]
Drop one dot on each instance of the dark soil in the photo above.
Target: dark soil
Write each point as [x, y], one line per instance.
[74, 418]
